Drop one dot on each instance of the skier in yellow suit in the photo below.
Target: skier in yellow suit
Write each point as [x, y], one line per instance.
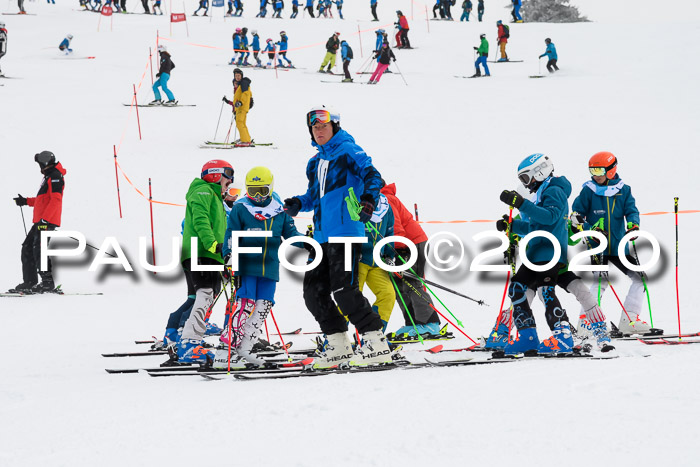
[242, 102]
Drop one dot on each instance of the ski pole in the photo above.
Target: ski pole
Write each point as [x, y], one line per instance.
[539, 62]
[353, 209]
[219, 120]
[435, 284]
[402, 77]
[405, 307]
[410, 286]
[644, 281]
[678, 303]
[24, 223]
[505, 289]
[284, 346]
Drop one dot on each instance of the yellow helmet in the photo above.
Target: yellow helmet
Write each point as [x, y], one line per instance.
[259, 183]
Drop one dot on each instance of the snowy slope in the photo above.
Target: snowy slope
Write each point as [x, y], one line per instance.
[627, 85]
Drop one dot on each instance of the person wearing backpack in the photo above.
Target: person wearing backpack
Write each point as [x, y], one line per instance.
[346, 54]
[467, 8]
[503, 35]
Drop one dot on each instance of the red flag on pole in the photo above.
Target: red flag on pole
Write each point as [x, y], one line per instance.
[106, 10]
[177, 17]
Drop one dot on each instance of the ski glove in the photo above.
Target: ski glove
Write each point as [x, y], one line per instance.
[631, 227]
[157, 75]
[20, 200]
[367, 204]
[292, 206]
[512, 198]
[576, 220]
[215, 248]
[502, 224]
[43, 225]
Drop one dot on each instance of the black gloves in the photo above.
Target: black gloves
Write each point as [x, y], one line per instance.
[20, 200]
[292, 206]
[224, 99]
[502, 224]
[219, 247]
[512, 198]
[367, 204]
[476, 48]
[157, 75]
[577, 220]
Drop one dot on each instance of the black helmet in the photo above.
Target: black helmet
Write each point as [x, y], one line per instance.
[547, 40]
[238, 70]
[398, 12]
[45, 159]
[483, 36]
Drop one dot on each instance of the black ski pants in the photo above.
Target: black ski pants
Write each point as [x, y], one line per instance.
[404, 38]
[552, 65]
[310, 9]
[145, 6]
[419, 308]
[346, 64]
[525, 279]
[330, 278]
[374, 12]
[31, 254]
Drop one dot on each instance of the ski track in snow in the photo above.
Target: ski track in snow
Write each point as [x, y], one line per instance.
[451, 145]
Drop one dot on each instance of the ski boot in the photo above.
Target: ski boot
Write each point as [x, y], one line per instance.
[338, 351]
[171, 103]
[371, 82]
[46, 284]
[374, 351]
[212, 330]
[221, 357]
[192, 351]
[603, 341]
[347, 80]
[24, 287]
[502, 59]
[477, 74]
[498, 339]
[636, 326]
[170, 340]
[156, 102]
[527, 342]
[561, 342]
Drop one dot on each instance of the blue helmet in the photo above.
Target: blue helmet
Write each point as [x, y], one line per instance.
[535, 169]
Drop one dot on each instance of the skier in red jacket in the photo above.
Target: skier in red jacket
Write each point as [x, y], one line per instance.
[402, 41]
[47, 216]
[426, 319]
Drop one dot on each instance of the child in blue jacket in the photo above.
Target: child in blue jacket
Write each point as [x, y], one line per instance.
[606, 204]
[257, 274]
[547, 212]
[551, 54]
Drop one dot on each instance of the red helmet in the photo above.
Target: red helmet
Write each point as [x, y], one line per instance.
[214, 169]
[603, 163]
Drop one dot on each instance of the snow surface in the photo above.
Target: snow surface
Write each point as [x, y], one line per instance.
[628, 84]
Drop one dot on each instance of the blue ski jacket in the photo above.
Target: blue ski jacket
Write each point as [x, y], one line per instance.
[283, 43]
[339, 165]
[236, 42]
[612, 202]
[344, 50]
[256, 43]
[551, 52]
[548, 212]
[265, 264]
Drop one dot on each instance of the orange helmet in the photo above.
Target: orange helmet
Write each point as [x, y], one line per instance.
[603, 163]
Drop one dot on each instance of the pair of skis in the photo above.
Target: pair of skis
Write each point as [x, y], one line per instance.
[218, 145]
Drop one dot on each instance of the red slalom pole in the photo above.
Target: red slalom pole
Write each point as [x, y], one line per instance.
[116, 174]
[153, 239]
[678, 302]
[415, 208]
[620, 302]
[284, 346]
[150, 59]
[136, 104]
[359, 34]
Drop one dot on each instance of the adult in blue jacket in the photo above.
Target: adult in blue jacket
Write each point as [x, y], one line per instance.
[606, 204]
[339, 165]
[547, 212]
[373, 6]
[310, 7]
[517, 4]
[551, 54]
[282, 54]
[347, 55]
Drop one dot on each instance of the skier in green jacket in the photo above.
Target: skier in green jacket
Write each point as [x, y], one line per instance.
[483, 52]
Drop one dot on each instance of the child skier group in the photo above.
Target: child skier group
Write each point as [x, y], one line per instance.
[274, 50]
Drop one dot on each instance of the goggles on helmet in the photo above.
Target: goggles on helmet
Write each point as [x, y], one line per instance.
[225, 171]
[525, 178]
[318, 116]
[600, 171]
[258, 192]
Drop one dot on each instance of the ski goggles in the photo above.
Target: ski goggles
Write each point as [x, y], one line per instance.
[258, 192]
[233, 192]
[318, 116]
[225, 171]
[525, 178]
